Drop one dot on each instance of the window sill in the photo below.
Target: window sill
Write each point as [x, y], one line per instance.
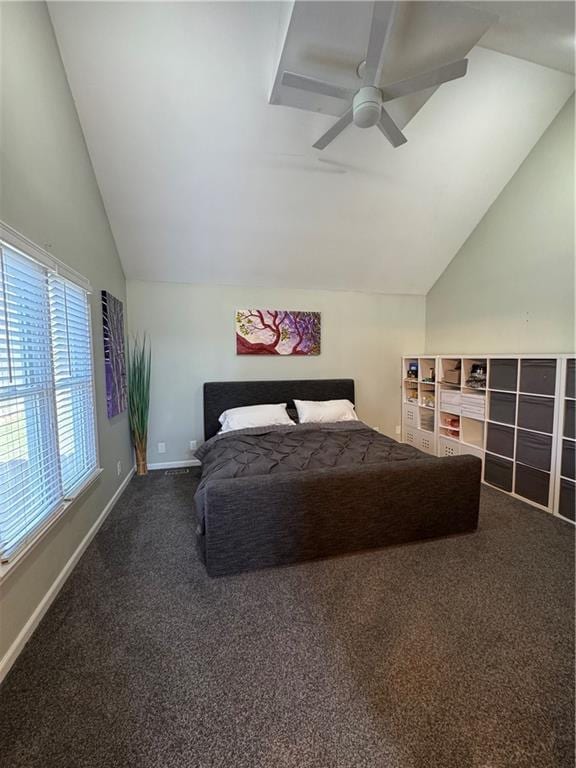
[7, 568]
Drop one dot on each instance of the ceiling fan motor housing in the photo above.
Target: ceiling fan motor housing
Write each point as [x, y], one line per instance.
[367, 106]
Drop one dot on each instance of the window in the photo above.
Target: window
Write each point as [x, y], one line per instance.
[47, 429]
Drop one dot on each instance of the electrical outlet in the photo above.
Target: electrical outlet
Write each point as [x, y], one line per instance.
[397, 430]
[193, 445]
[119, 468]
[161, 447]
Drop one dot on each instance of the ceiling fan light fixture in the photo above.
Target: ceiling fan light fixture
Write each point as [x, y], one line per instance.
[360, 69]
[367, 107]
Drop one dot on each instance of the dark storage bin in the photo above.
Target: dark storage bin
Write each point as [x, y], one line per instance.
[502, 407]
[503, 374]
[532, 484]
[500, 440]
[567, 502]
[534, 450]
[571, 378]
[498, 472]
[536, 413]
[538, 376]
[568, 467]
[570, 418]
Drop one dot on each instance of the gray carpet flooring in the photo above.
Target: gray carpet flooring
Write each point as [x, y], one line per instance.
[456, 653]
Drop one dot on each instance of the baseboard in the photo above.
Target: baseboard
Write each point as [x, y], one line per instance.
[175, 464]
[26, 632]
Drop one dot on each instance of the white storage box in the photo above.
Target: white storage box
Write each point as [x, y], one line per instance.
[410, 436]
[426, 442]
[450, 401]
[410, 415]
[474, 406]
[447, 447]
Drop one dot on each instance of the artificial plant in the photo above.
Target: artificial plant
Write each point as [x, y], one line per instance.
[139, 363]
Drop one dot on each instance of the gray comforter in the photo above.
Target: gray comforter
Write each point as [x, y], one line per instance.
[268, 450]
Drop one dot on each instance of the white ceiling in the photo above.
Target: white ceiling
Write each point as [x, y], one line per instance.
[539, 31]
[204, 181]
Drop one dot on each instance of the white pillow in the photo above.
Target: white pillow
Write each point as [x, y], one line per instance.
[325, 410]
[254, 416]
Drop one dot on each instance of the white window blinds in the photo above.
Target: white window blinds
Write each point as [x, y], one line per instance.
[47, 428]
[72, 360]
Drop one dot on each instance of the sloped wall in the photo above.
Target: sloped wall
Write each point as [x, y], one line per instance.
[511, 286]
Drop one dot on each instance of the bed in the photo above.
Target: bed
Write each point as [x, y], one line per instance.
[272, 496]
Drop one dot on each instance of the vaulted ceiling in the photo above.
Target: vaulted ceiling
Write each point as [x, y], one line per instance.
[205, 181]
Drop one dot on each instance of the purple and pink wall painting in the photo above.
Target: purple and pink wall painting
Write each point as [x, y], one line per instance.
[277, 332]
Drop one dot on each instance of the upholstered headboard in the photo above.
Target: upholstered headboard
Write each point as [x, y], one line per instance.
[221, 395]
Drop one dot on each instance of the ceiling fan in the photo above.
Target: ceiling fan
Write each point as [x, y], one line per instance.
[367, 107]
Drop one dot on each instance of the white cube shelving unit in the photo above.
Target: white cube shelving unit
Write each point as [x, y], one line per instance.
[517, 413]
[419, 403]
[565, 471]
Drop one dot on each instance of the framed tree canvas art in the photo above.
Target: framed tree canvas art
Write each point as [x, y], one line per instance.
[114, 354]
[277, 332]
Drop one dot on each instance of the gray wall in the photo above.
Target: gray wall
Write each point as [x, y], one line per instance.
[193, 337]
[49, 194]
[511, 286]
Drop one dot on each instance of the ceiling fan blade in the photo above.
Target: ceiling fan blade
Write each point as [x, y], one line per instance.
[336, 129]
[293, 80]
[443, 74]
[391, 130]
[383, 15]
